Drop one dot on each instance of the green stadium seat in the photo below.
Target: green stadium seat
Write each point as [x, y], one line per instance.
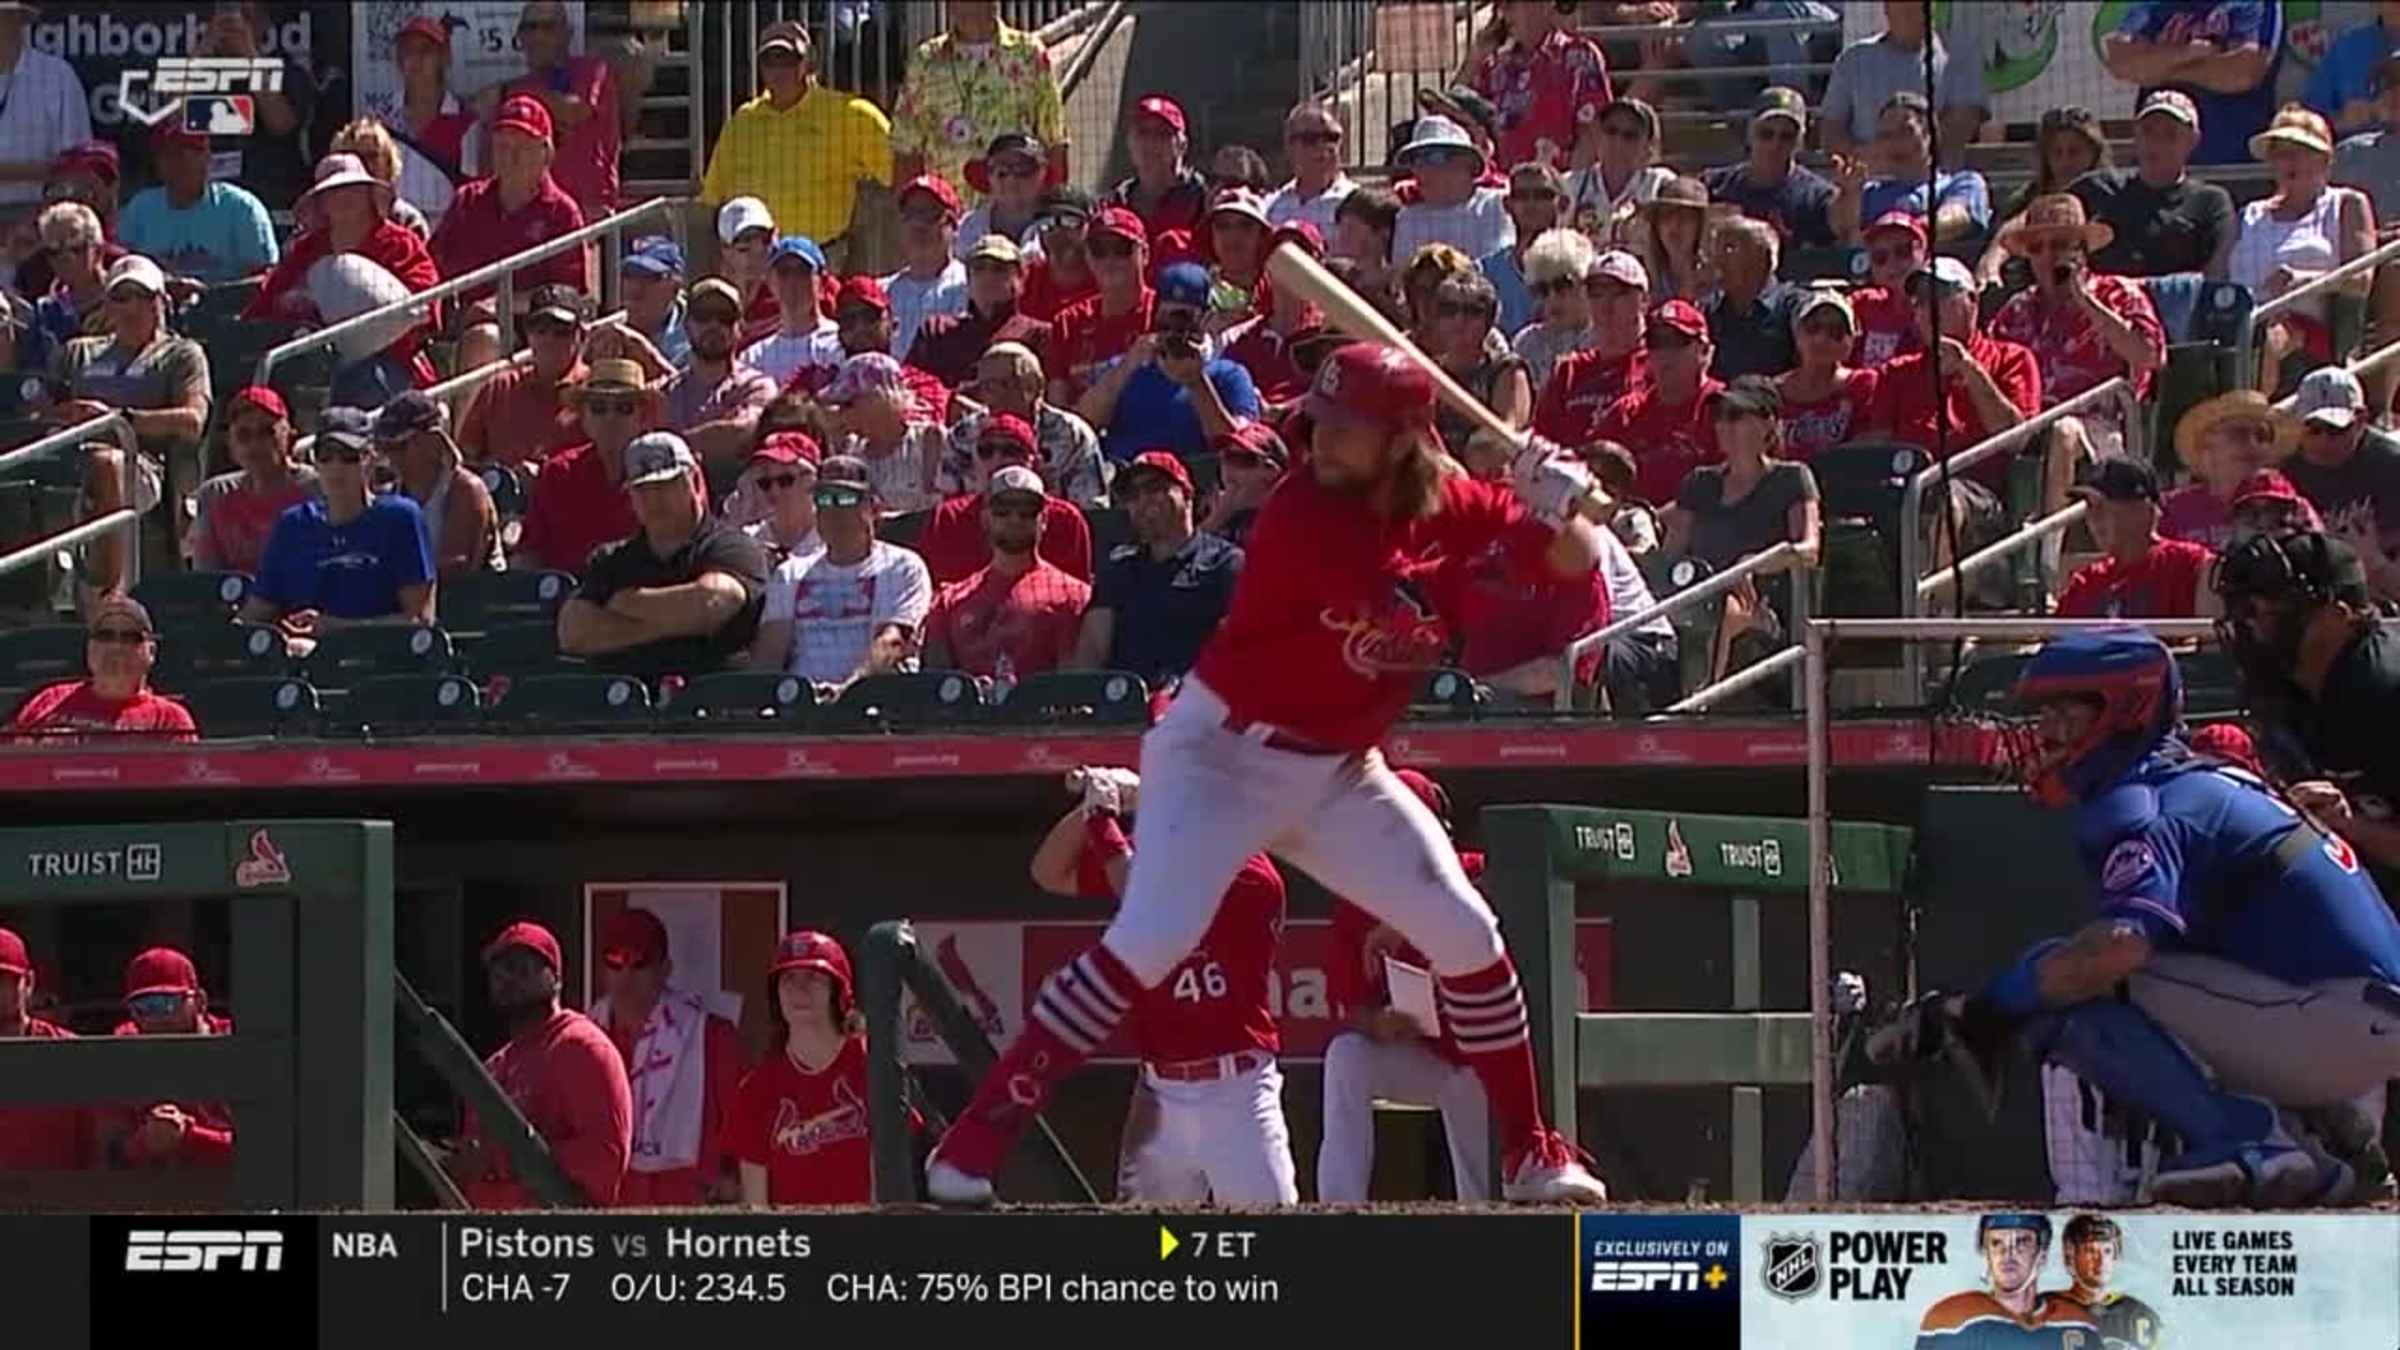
[511, 491]
[203, 654]
[582, 699]
[345, 656]
[1830, 262]
[44, 655]
[1447, 694]
[253, 706]
[192, 599]
[407, 704]
[516, 650]
[2212, 683]
[1987, 682]
[1110, 527]
[905, 702]
[903, 531]
[483, 600]
[738, 700]
[2192, 374]
[1102, 697]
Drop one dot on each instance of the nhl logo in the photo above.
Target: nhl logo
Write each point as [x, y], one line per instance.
[1795, 1265]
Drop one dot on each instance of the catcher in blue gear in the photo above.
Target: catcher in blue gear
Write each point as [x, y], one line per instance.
[2231, 929]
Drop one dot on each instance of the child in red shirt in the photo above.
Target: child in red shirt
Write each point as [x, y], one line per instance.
[800, 1118]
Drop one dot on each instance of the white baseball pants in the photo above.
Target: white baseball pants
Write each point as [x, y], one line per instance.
[1211, 797]
[1223, 1141]
[2321, 1045]
[1359, 1070]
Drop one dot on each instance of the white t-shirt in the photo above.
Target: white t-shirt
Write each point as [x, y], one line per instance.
[1628, 593]
[914, 301]
[781, 355]
[900, 476]
[835, 609]
[1287, 204]
[42, 112]
[1476, 227]
[979, 223]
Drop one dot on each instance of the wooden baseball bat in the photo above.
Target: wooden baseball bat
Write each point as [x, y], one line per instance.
[1345, 309]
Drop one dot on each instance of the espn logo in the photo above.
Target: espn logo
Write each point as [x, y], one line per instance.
[1641, 1277]
[209, 1249]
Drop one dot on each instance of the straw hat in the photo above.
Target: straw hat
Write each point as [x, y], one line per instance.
[2191, 434]
[2295, 125]
[2055, 213]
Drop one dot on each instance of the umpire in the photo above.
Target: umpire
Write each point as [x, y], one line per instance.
[2321, 670]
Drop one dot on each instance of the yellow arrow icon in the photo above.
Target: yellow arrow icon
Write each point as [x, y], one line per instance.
[1166, 1243]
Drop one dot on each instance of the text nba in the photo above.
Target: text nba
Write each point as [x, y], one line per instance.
[206, 1249]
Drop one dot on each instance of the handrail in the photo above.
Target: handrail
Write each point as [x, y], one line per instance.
[116, 423]
[40, 549]
[1087, 53]
[1739, 680]
[1684, 599]
[2002, 547]
[2368, 261]
[2004, 626]
[1685, 31]
[466, 380]
[501, 271]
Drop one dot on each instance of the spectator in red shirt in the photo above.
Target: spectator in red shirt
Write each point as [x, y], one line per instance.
[236, 511]
[800, 1119]
[519, 416]
[1262, 344]
[862, 318]
[2224, 442]
[36, 1138]
[1666, 420]
[517, 207]
[163, 997]
[1887, 323]
[120, 645]
[349, 210]
[1099, 329]
[562, 1072]
[2270, 503]
[956, 540]
[1166, 192]
[2083, 328]
[1549, 84]
[1018, 614]
[1061, 272]
[1825, 399]
[2139, 575]
[1988, 385]
[949, 345]
[683, 1063]
[579, 500]
[580, 94]
[1583, 384]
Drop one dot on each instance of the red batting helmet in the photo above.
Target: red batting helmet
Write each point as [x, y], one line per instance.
[1433, 794]
[807, 949]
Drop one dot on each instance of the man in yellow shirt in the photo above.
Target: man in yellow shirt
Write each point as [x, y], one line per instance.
[969, 84]
[800, 147]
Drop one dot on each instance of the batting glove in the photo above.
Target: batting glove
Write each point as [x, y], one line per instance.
[1099, 789]
[1129, 789]
[1552, 485]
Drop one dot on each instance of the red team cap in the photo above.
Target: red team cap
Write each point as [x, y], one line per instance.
[1118, 221]
[1681, 315]
[788, 447]
[1301, 232]
[1164, 462]
[13, 959]
[524, 113]
[633, 939]
[1164, 109]
[160, 970]
[934, 186]
[261, 397]
[807, 949]
[862, 290]
[427, 27]
[1896, 220]
[1008, 427]
[1365, 379]
[532, 937]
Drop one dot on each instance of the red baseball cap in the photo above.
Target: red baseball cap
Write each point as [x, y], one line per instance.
[1433, 794]
[99, 157]
[1896, 220]
[2270, 485]
[1681, 315]
[532, 937]
[1301, 232]
[13, 959]
[524, 113]
[1007, 427]
[1370, 380]
[161, 970]
[1165, 462]
[934, 186]
[789, 447]
[1165, 110]
[423, 26]
[807, 949]
[1120, 221]
[175, 131]
[861, 290]
[1257, 438]
[2227, 741]
[635, 937]
[260, 397]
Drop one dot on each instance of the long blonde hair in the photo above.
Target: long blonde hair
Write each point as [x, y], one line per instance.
[372, 142]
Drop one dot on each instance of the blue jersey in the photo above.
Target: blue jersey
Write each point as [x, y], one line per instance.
[2207, 859]
[354, 570]
[1974, 1320]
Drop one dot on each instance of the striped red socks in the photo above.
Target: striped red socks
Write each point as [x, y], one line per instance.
[1485, 1013]
[1077, 1010]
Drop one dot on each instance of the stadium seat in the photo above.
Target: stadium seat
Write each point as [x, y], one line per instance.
[2175, 297]
[1829, 262]
[44, 655]
[1104, 697]
[895, 702]
[347, 655]
[483, 600]
[1987, 682]
[1447, 694]
[405, 704]
[1110, 528]
[579, 699]
[253, 706]
[178, 600]
[757, 700]
[2200, 364]
[903, 530]
[512, 492]
[2212, 683]
[202, 654]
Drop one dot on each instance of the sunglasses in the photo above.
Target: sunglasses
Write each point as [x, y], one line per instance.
[1622, 132]
[118, 637]
[1022, 168]
[2049, 248]
[777, 482]
[1110, 246]
[1453, 309]
[706, 317]
[606, 405]
[857, 318]
[335, 452]
[153, 1006]
[128, 295]
[1314, 137]
[839, 498]
[1668, 340]
[1532, 197]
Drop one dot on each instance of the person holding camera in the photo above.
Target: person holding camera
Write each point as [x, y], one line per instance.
[1168, 390]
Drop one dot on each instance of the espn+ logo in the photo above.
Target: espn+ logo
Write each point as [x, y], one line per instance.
[203, 1249]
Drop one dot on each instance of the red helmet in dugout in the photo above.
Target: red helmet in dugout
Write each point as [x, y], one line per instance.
[807, 949]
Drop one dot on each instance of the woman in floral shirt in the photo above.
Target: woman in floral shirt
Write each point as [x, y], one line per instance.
[970, 84]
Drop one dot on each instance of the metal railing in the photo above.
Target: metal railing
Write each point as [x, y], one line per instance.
[109, 424]
[2031, 533]
[468, 380]
[1087, 54]
[1690, 596]
[2246, 348]
[503, 272]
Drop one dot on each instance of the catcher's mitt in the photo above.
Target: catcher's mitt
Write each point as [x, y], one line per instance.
[1941, 1028]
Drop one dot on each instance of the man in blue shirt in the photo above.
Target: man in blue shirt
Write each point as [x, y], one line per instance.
[2224, 53]
[1166, 390]
[349, 557]
[1156, 600]
[1892, 178]
[2347, 82]
[206, 232]
[652, 273]
[2233, 926]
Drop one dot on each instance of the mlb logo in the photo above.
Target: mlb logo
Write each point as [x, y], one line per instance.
[221, 114]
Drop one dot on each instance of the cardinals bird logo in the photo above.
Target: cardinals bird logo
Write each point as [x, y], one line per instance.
[264, 867]
[801, 1135]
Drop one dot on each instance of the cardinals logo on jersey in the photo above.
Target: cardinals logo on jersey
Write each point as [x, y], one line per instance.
[802, 1135]
[1401, 636]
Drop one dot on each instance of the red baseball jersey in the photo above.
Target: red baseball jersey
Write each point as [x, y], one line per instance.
[1829, 421]
[569, 1080]
[1046, 297]
[1082, 337]
[1339, 613]
[1668, 440]
[2067, 345]
[1546, 93]
[208, 1140]
[1581, 387]
[1029, 621]
[46, 1138]
[1356, 984]
[1887, 326]
[1215, 1002]
[2163, 585]
[809, 1130]
[1905, 405]
[478, 229]
[74, 710]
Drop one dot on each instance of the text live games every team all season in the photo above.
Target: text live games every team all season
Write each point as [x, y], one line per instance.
[488, 1270]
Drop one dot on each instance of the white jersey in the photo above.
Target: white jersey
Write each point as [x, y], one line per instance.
[780, 355]
[835, 609]
[1477, 227]
[1288, 203]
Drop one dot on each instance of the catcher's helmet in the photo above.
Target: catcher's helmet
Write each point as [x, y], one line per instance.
[2133, 678]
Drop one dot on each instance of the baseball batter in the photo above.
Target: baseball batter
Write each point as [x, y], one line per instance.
[1357, 564]
[1382, 1055]
[2008, 1313]
[2094, 1246]
[2236, 928]
[1206, 1122]
[799, 1128]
